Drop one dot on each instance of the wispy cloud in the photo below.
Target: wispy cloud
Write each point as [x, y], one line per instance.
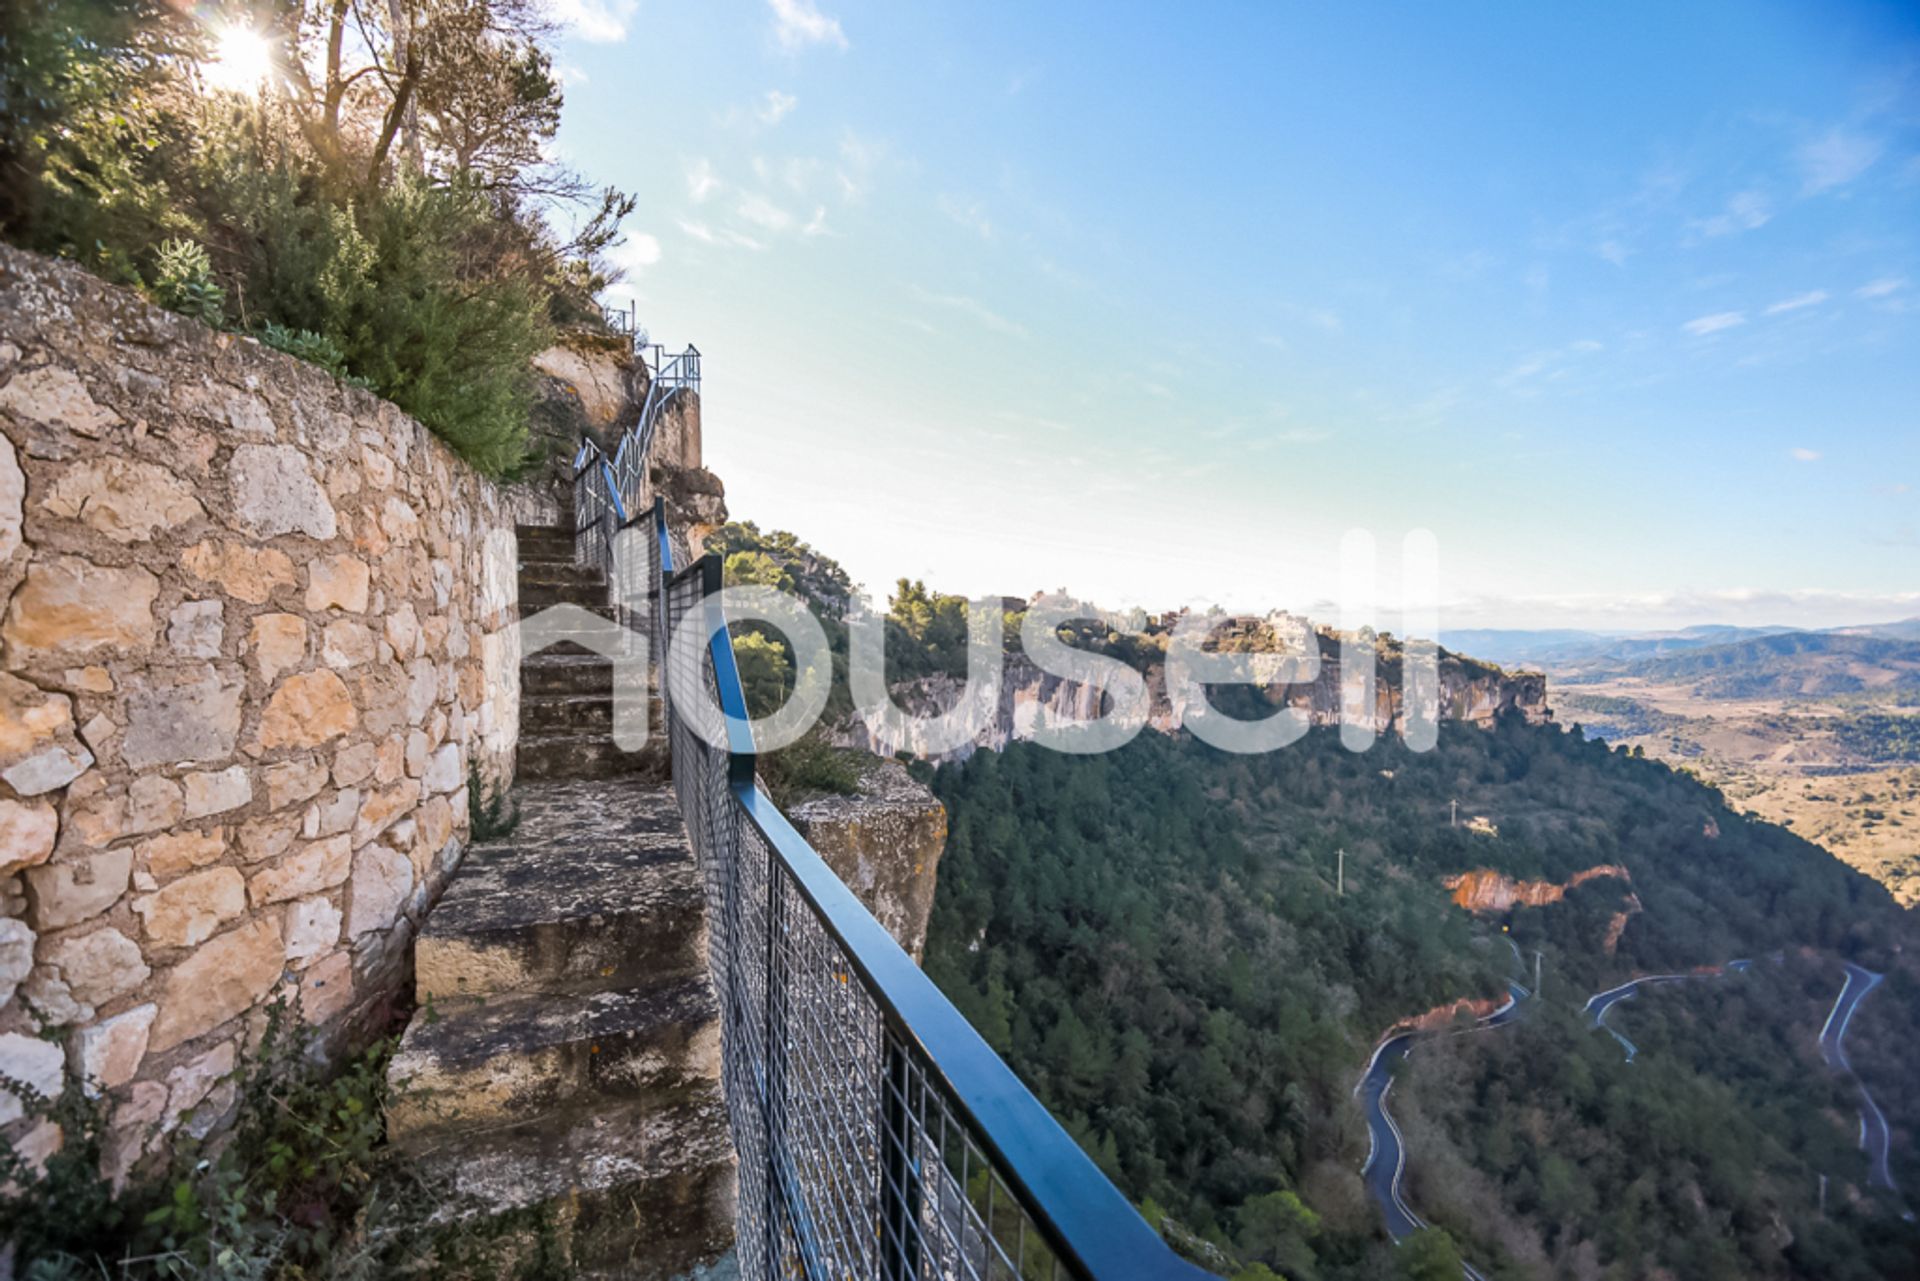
[799, 23]
[775, 106]
[1835, 159]
[1700, 326]
[1885, 286]
[763, 213]
[1801, 454]
[1812, 298]
[600, 21]
[701, 180]
[1746, 211]
[719, 236]
[859, 157]
[1613, 251]
[975, 309]
[969, 214]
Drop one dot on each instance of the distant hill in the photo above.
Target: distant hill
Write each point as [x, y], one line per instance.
[1575, 654]
[1789, 665]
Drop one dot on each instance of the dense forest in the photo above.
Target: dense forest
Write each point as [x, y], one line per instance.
[1155, 939]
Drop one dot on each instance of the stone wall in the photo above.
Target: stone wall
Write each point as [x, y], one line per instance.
[255, 627]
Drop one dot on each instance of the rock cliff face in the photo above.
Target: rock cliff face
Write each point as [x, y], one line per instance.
[1485, 890]
[885, 843]
[1030, 697]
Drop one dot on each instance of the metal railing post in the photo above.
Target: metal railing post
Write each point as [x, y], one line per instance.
[900, 1190]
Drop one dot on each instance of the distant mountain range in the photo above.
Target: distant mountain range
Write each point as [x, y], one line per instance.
[1721, 661]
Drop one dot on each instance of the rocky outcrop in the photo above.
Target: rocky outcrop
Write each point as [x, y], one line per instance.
[1444, 1016]
[885, 842]
[257, 629]
[1469, 692]
[1487, 891]
[587, 386]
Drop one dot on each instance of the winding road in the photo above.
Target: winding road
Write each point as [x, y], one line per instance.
[1875, 1136]
[1385, 1170]
[1386, 1151]
[1600, 1002]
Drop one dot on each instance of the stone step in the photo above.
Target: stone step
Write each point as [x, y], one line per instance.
[643, 1194]
[595, 890]
[561, 573]
[579, 713]
[476, 1064]
[591, 756]
[556, 671]
[535, 594]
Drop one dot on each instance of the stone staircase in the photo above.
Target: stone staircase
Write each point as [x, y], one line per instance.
[567, 1050]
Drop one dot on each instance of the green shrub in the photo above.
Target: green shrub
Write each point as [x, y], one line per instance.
[811, 766]
[489, 815]
[183, 282]
[315, 349]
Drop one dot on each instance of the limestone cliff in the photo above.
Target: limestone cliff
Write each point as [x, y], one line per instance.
[885, 842]
[1485, 890]
[1469, 691]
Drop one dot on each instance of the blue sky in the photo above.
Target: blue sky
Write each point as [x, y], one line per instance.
[1154, 303]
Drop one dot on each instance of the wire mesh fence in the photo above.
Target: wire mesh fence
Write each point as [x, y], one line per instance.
[857, 1157]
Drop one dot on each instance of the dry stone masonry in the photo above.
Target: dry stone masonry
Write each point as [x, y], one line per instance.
[255, 632]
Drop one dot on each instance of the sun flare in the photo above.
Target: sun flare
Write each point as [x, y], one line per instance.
[243, 58]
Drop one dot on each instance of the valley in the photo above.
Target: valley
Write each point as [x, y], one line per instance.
[1816, 731]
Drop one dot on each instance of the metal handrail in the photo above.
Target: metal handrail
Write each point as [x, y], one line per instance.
[930, 1051]
[609, 488]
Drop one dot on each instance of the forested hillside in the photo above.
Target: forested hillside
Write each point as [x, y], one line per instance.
[1155, 938]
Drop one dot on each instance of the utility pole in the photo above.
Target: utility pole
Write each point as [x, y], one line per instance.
[1453, 819]
[1823, 1196]
[1536, 971]
[1342, 879]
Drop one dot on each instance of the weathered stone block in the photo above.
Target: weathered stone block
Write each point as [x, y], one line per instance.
[16, 955]
[68, 607]
[124, 498]
[313, 927]
[174, 716]
[32, 1062]
[225, 978]
[274, 492]
[97, 967]
[338, 582]
[216, 792]
[107, 1055]
[28, 830]
[278, 643]
[189, 911]
[195, 629]
[306, 711]
[251, 574]
[382, 879]
[320, 866]
[175, 853]
[77, 889]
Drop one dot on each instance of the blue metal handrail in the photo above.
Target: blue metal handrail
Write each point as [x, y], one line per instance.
[930, 1050]
[611, 490]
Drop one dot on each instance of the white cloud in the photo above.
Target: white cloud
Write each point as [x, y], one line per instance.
[701, 180]
[971, 215]
[1801, 454]
[1835, 159]
[635, 254]
[1703, 325]
[600, 21]
[817, 225]
[1881, 288]
[858, 159]
[763, 213]
[799, 23]
[976, 309]
[707, 235]
[1812, 298]
[1746, 211]
[568, 74]
[775, 106]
